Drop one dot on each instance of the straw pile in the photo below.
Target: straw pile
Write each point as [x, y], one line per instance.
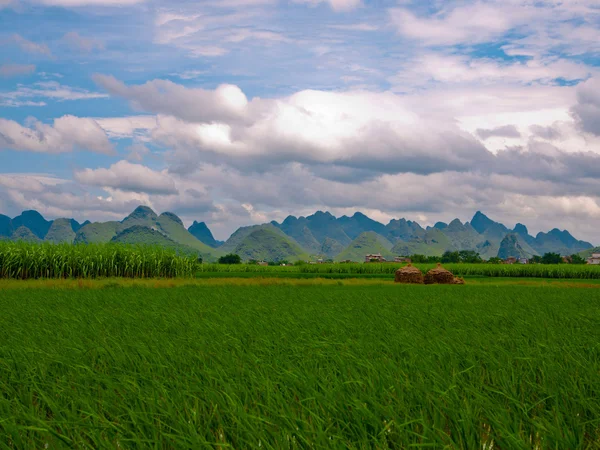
[439, 275]
[458, 280]
[409, 274]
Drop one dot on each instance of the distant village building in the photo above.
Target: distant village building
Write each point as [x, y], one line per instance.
[401, 259]
[263, 263]
[510, 260]
[523, 261]
[320, 261]
[375, 257]
[567, 259]
[594, 259]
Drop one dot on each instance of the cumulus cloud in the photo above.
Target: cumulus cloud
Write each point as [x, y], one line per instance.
[227, 102]
[508, 131]
[67, 133]
[587, 109]
[127, 176]
[13, 70]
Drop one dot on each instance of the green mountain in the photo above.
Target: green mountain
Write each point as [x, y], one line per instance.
[61, 230]
[557, 241]
[264, 243]
[403, 230]
[24, 234]
[96, 232]
[365, 243]
[433, 243]
[173, 228]
[359, 223]
[34, 221]
[141, 235]
[330, 248]
[320, 234]
[201, 232]
[312, 231]
[587, 253]
[462, 236]
[142, 215]
[511, 246]
[6, 228]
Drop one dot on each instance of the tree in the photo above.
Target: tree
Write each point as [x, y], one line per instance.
[470, 256]
[495, 260]
[450, 257]
[552, 258]
[577, 259]
[535, 260]
[231, 258]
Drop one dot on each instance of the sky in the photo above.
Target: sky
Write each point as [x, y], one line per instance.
[237, 112]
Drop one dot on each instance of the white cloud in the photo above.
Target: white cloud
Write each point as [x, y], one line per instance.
[13, 70]
[435, 68]
[46, 90]
[79, 3]
[227, 102]
[127, 127]
[355, 27]
[336, 5]
[75, 40]
[29, 46]
[127, 176]
[66, 134]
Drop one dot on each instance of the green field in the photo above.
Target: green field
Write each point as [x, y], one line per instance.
[300, 366]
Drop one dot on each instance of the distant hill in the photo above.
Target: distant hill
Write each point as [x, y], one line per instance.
[6, 228]
[24, 234]
[433, 243]
[263, 243]
[201, 232]
[61, 230]
[141, 235]
[320, 235]
[511, 246]
[34, 221]
[365, 243]
[96, 232]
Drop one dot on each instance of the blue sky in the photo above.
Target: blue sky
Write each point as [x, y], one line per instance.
[243, 111]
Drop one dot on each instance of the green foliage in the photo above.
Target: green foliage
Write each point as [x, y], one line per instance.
[469, 257]
[23, 261]
[230, 258]
[552, 258]
[450, 257]
[280, 367]
[495, 260]
[425, 259]
[577, 259]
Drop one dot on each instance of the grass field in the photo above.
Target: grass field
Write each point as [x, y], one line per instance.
[489, 270]
[339, 364]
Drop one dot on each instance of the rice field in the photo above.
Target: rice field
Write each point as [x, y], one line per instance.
[487, 270]
[332, 365]
[19, 260]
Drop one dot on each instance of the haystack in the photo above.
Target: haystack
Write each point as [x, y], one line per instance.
[458, 280]
[439, 275]
[409, 274]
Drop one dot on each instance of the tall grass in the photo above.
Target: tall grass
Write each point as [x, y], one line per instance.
[490, 270]
[23, 261]
[283, 367]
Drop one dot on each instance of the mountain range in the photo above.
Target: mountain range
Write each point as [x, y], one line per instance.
[320, 235]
